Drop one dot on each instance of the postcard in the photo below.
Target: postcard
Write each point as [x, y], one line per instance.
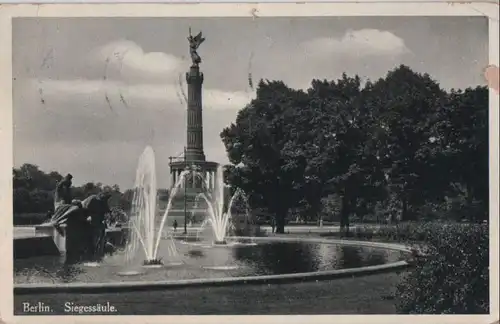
[220, 163]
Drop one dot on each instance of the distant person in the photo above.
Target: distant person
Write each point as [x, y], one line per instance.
[175, 225]
[273, 224]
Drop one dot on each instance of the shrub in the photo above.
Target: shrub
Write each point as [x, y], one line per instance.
[453, 275]
[117, 217]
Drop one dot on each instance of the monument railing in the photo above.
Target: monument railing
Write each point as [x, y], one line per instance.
[189, 162]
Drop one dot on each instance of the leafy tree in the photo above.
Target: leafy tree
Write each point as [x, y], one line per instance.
[346, 161]
[32, 189]
[318, 147]
[126, 200]
[33, 193]
[406, 103]
[395, 147]
[331, 207]
[259, 146]
[461, 136]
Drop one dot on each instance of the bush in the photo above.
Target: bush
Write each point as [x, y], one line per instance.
[403, 233]
[117, 217]
[452, 277]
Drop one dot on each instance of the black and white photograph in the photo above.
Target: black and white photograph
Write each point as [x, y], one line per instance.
[253, 165]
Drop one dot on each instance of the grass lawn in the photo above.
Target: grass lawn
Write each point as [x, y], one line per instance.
[362, 295]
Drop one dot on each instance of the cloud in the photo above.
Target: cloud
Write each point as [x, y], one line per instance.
[132, 78]
[364, 42]
[143, 95]
[130, 61]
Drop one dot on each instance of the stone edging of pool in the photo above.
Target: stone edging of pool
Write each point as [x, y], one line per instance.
[111, 287]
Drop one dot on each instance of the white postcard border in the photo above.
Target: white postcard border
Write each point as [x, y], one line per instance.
[234, 10]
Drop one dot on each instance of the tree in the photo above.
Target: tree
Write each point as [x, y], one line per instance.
[346, 159]
[406, 104]
[30, 177]
[32, 189]
[260, 148]
[126, 198]
[33, 193]
[395, 147]
[461, 137]
[331, 207]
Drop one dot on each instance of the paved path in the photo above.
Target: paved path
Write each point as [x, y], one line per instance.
[27, 231]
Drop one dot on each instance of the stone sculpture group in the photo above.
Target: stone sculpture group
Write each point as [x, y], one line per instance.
[82, 223]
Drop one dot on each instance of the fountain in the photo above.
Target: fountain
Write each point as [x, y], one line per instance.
[276, 259]
[218, 217]
[142, 222]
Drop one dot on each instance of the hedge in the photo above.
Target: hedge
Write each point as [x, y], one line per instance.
[452, 276]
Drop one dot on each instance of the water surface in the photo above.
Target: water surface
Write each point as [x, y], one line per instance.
[200, 260]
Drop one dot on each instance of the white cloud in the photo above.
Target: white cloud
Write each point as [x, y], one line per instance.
[364, 42]
[129, 59]
[132, 78]
[161, 95]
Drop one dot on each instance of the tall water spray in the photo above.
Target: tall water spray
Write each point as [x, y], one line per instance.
[173, 193]
[143, 230]
[218, 217]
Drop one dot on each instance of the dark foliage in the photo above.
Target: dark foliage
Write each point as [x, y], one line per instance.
[397, 149]
[33, 195]
[450, 266]
[451, 276]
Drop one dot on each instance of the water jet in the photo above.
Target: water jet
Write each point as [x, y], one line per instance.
[144, 231]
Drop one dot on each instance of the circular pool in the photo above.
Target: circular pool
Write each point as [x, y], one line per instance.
[252, 260]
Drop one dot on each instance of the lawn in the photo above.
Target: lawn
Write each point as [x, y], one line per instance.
[371, 294]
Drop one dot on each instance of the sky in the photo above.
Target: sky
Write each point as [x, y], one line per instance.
[90, 94]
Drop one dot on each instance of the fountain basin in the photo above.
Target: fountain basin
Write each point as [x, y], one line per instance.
[207, 271]
[129, 273]
[222, 268]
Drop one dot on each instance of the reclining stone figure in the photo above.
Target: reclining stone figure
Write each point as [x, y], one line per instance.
[84, 220]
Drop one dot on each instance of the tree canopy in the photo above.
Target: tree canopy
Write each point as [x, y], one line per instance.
[33, 193]
[401, 143]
